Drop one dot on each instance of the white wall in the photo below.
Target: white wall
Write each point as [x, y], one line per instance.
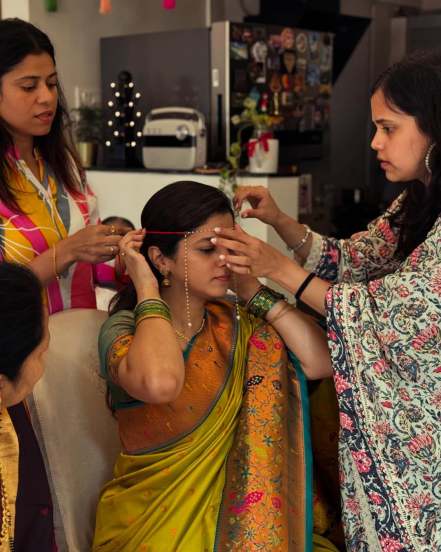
[75, 30]
[15, 8]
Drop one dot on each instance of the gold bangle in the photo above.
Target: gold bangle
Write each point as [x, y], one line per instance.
[284, 310]
[54, 258]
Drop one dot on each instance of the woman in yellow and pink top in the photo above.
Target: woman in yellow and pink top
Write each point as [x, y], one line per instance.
[48, 221]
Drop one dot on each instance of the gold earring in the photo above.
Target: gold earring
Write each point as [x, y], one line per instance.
[427, 159]
[166, 281]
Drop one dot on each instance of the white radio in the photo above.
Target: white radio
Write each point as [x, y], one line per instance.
[174, 139]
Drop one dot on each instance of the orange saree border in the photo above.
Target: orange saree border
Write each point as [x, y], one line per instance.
[147, 427]
[265, 496]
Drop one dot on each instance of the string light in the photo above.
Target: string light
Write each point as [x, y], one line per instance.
[124, 122]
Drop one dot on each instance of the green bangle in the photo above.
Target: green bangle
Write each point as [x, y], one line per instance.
[139, 319]
[152, 308]
[263, 301]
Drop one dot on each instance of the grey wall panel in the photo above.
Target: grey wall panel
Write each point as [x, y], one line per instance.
[179, 58]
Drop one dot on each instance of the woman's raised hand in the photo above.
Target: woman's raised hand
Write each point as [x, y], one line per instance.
[247, 254]
[263, 206]
[135, 264]
[96, 243]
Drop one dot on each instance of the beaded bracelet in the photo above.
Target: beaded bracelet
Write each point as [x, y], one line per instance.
[302, 242]
[152, 308]
[263, 301]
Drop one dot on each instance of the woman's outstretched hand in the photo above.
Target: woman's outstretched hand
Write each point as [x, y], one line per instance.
[263, 206]
[247, 254]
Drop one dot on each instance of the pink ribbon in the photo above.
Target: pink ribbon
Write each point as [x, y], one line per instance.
[262, 139]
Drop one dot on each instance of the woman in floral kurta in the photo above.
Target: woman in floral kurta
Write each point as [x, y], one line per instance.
[384, 338]
[381, 293]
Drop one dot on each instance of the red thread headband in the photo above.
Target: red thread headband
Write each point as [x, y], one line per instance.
[167, 233]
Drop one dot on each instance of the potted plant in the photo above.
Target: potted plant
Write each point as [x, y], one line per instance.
[228, 173]
[87, 124]
[262, 147]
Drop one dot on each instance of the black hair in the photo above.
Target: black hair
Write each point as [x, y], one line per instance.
[19, 39]
[179, 207]
[118, 220]
[21, 317]
[413, 86]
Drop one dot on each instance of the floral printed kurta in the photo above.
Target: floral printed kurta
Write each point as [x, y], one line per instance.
[384, 331]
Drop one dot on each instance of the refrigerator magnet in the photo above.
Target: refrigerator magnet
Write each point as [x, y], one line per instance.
[299, 84]
[289, 61]
[301, 43]
[313, 75]
[236, 33]
[275, 42]
[301, 65]
[287, 38]
[314, 45]
[259, 51]
[247, 36]
[238, 51]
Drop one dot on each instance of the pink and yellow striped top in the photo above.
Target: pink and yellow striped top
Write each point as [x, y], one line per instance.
[50, 213]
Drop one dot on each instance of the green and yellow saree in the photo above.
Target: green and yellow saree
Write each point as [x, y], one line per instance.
[225, 467]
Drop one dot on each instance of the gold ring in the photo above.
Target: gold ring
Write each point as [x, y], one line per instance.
[123, 253]
[112, 249]
[112, 229]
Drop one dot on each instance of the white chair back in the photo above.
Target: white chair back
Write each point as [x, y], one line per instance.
[79, 434]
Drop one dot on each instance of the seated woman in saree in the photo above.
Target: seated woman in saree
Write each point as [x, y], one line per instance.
[24, 338]
[212, 407]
